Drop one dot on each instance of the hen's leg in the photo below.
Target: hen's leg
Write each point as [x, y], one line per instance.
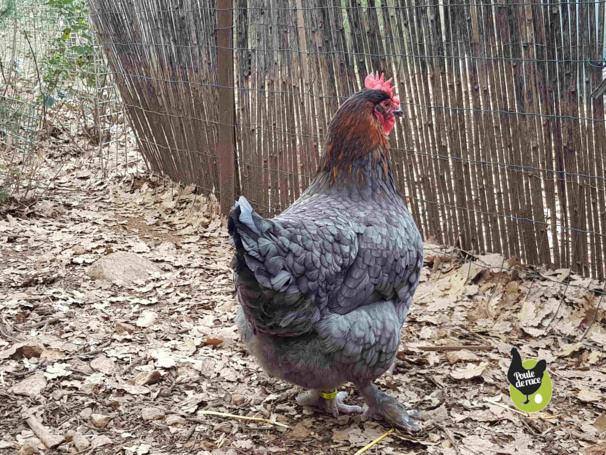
[334, 406]
[382, 406]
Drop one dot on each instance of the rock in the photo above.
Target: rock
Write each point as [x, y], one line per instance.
[152, 413]
[80, 442]
[78, 249]
[30, 387]
[29, 448]
[174, 419]
[99, 420]
[86, 413]
[103, 364]
[122, 268]
[123, 327]
[100, 441]
[239, 399]
[69, 435]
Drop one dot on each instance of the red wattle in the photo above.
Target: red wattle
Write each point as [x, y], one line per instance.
[387, 124]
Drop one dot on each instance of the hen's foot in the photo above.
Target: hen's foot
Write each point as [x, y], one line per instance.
[334, 406]
[382, 406]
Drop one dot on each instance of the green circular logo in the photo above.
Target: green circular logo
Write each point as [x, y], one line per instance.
[539, 399]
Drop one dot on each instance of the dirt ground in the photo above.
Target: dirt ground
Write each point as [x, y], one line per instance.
[95, 366]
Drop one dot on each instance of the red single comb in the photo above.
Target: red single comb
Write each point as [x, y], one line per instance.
[376, 82]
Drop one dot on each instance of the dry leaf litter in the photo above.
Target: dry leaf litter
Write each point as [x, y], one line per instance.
[117, 336]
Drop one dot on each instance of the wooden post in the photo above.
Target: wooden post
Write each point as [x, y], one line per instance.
[225, 79]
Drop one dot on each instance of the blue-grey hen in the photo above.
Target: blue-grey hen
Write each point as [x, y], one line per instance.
[325, 287]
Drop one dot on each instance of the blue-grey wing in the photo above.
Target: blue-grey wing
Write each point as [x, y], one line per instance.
[286, 268]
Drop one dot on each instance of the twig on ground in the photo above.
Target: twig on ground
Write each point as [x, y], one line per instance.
[188, 434]
[456, 348]
[450, 438]
[5, 334]
[48, 439]
[494, 430]
[527, 425]
[233, 416]
[193, 446]
[23, 373]
[376, 441]
[547, 431]
[132, 364]
[96, 351]
[431, 379]
[504, 406]
[41, 323]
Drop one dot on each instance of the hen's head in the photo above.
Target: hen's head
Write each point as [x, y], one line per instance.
[361, 125]
[388, 105]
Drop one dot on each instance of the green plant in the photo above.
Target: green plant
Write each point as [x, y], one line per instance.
[71, 55]
[4, 196]
[8, 9]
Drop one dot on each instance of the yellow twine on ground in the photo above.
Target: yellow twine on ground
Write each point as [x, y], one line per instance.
[376, 441]
[234, 416]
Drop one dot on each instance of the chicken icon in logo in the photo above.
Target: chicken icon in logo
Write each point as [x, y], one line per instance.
[527, 379]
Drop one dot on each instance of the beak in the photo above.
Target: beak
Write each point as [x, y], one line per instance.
[398, 113]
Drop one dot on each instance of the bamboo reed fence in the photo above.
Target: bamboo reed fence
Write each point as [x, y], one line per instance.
[502, 147]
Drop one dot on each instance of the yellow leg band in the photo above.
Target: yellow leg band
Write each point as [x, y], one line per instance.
[329, 396]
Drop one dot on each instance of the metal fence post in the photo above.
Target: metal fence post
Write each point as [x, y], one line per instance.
[225, 77]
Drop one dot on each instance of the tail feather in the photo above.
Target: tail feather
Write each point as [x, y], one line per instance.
[267, 289]
[256, 247]
[241, 225]
[245, 215]
[246, 227]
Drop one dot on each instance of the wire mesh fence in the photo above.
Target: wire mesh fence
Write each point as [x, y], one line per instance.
[19, 108]
[95, 105]
[502, 146]
[53, 76]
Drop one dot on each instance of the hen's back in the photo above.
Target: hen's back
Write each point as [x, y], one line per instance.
[328, 253]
